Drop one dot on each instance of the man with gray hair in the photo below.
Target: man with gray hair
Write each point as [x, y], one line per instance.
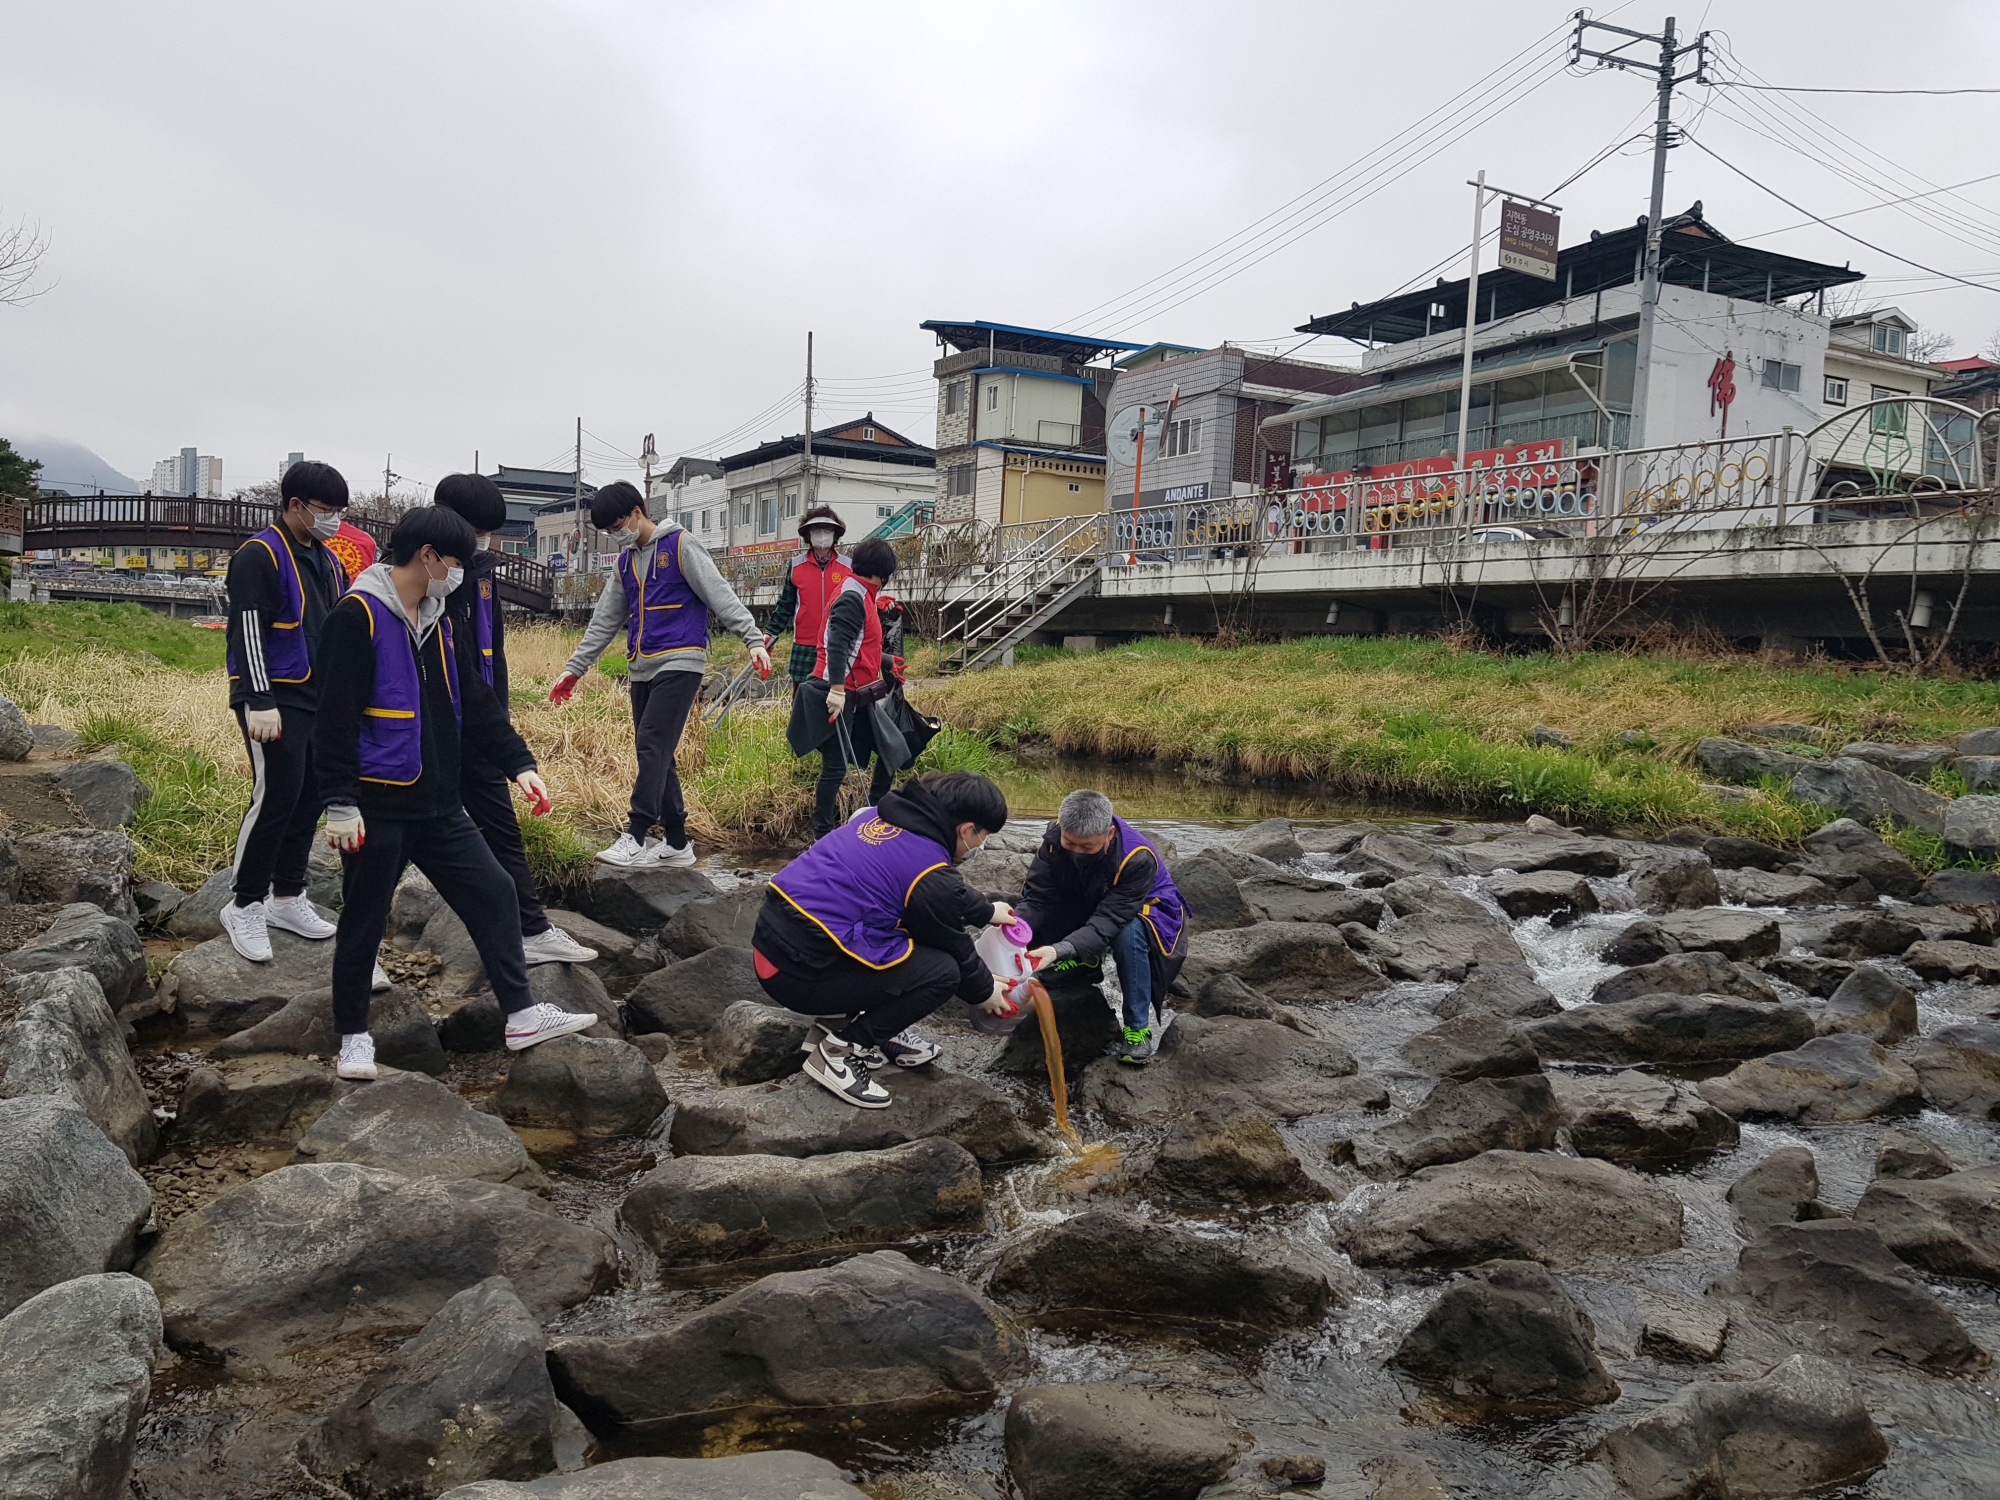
[1097, 885]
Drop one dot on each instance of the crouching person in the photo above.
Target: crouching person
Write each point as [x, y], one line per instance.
[393, 710]
[1096, 886]
[867, 930]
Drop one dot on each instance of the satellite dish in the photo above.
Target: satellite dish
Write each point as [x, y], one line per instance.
[1132, 427]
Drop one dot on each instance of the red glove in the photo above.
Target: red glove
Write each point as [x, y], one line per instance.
[565, 685]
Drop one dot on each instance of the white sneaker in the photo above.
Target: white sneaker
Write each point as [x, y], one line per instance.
[357, 1057]
[555, 947]
[625, 852]
[661, 855]
[543, 1023]
[379, 981]
[295, 914]
[244, 926]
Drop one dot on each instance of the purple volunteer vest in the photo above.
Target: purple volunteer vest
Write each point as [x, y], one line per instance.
[854, 883]
[667, 615]
[482, 626]
[392, 725]
[285, 655]
[1162, 908]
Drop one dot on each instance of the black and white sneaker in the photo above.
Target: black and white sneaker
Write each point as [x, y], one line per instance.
[836, 1066]
[903, 1049]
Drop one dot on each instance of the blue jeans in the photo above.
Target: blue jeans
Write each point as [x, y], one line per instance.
[1133, 951]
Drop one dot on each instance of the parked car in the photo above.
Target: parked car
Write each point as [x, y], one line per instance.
[1516, 533]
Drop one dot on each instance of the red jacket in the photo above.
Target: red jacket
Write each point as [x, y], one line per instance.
[866, 667]
[815, 587]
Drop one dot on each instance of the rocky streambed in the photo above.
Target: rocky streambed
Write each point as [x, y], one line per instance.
[1479, 1160]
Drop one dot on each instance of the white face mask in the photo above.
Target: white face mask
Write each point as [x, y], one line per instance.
[325, 524]
[485, 540]
[439, 588]
[820, 537]
[629, 535]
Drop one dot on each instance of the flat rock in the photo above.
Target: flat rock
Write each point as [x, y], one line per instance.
[286, 1260]
[72, 865]
[1979, 742]
[404, 1034]
[1508, 990]
[1228, 1153]
[1764, 888]
[1959, 1067]
[1686, 1330]
[1103, 1264]
[59, 1037]
[1509, 1205]
[1911, 762]
[796, 1117]
[467, 1399]
[1112, 1442]
[617, 952]
[1868, 794]
[1852, 858]
[1972, 824]
[1724, 930]
[416, 1127]
[1948, 1225]
[1507, 1340]
[1911, 1154]
[1954, 960]
[1457, 1120]
[700, 1209]
[1778, 1190]
[75, 1375]
[1278, 1070]
[594, 1086]
[801, 1348]
[70, 1204]
[221, 992]
[476, 1025]
[1814, 975]
[1431, 895]
[1381, 858]
[1837, 1284]
[1869, 1003]
[1796, 1430]
[1677, 1029]
[1859, 935]
[1210, 896]
[1226, 995]
[1639, 1118]
[1729, 852]
[1300, 898]
[1271, 839]
[84, 937]
[1432, 948]
[780, 1475]
[689, 997]
[1829, 1080]
[755, 1043]
[106, 792]
[1961, 888]
[1698, 973]
[1292, 962]
[265, 1097]
[1556, 894]
[1742, 764]
[724, 921]
[640, 902]
[1474, 1045]
[1526, 853]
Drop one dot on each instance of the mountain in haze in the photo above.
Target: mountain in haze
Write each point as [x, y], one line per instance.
[73, 467]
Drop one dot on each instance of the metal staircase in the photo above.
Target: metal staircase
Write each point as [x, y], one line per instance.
[1019, 594]
[907, 518]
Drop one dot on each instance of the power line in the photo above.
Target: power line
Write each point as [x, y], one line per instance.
[1777, 88]
[1765, 234]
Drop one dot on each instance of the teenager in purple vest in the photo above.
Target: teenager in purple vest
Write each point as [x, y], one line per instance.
[867, 930]
[282, 583]
[1097, 885]
[664, 590]
[479, 630]
[394, 712]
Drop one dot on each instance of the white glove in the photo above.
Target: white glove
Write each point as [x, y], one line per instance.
[345, 831]
[836, 700]
[760, 658]
[1002, 914]
[263, 724]
[531, 785]
[998, 1004]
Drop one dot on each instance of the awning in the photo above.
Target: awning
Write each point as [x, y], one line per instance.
[1378, 395]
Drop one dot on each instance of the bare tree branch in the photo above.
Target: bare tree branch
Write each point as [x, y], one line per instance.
[21, 250]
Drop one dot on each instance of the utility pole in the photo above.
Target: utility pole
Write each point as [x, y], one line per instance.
[1663, 141]
[1480, 189]
[812, 489]
[576, 498]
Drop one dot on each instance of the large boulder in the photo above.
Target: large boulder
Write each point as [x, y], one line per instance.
[468, 1398]
[1112, 1442]
[1525, 853]
[1272, 839]
[800, 1349]
[639, 901]
[1289, 961]
[797, 1117]
[699, 1209]
[416, 1127]
[778, 1475]
[1830, 1080]
[1673, 1029]
[197, 918]
[405, 1036]
[1743, 764]
[1226, 995]
[1859, 935]
[755, 1043]
[72, 865]
[1730, 852]
[17, 735]
[1280, 897]
[1869, 1003]
[1699, 973]
[76, 1371]
[1275, 1068]
[1511, 1205]
[689, 997]
[1434, 947]
[1507, 1340]
[1959, 1067]
[618, 953]
[1639, 1118]
[416, 901]
[1765, 888]
[1476, 1044]
[1835, 1283]
[1459, 1120]
[70, 1203]
[266, 1097]
[84, 937]
[724, 921]
[1868, 794]
[1979, 742]
[1811, 973]
[59, 1037]
[1086, 1027]
[106, 792]
[1949, 1225]
[997, 874]
[1780, 1189]
[594, 1086]
[477, 1025]
[1851, 858]
[1508, 990]
[286, 1260]
[1667, 879]
[1971, 962]
[1911, 762]
[1724, 930]
[1227, 1153]
[1972, 828]
[1960, 888]
[1210, 895]
[1794, 1431]
[1911, 1154]
[1555, 894]
[219, 991]
[1107, 1265]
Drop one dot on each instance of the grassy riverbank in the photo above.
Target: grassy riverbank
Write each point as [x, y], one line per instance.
[1418, 720]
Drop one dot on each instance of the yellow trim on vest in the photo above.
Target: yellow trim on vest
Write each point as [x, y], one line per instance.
[391, 713]
[288, 624]
[837, 942]
[920, 875]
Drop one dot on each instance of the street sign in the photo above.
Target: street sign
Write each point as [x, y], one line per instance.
[1528, 239]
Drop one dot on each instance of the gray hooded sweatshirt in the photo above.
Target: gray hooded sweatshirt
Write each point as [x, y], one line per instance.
[607, 621]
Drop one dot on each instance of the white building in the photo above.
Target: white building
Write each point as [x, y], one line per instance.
[1867, 360]
[870, 474]
[189, 473]
[695, 492]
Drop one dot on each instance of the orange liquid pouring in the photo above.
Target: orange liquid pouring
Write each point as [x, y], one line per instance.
[1052, 1055]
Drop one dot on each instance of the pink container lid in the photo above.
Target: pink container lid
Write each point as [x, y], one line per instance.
[1018, 933]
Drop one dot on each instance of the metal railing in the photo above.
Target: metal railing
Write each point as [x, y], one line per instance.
[1028, 558]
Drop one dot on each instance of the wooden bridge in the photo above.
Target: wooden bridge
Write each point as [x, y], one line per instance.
[123, 521]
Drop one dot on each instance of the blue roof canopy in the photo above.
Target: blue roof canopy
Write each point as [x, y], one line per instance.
[977, 333]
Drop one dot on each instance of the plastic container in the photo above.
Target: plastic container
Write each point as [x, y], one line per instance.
[1004, 951]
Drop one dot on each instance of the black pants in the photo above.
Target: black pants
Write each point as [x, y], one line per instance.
[275, 841]
[455, 859]
[833, 764]
[659, 714]
[484, 789]
[873, 1004]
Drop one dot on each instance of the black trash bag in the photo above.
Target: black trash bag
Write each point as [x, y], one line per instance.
[810, 727]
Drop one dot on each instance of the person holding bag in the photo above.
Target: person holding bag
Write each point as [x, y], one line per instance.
[830, 710]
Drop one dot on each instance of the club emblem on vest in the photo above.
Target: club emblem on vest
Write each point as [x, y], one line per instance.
[877, 832]
[486, 588]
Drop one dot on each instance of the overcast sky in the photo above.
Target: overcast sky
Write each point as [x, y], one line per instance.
[434, 229]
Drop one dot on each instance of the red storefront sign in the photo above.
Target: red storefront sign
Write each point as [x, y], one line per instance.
[749, 549]
[1523, 477]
